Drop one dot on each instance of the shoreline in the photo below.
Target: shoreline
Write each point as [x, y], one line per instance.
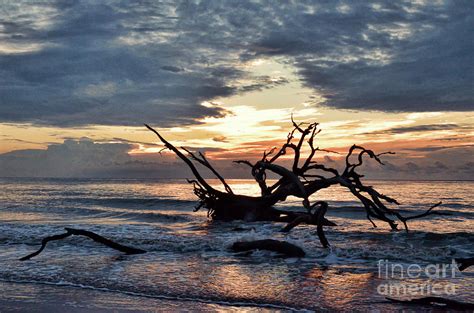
[45, 297]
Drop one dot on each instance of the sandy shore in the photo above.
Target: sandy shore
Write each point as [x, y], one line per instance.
[27, 297]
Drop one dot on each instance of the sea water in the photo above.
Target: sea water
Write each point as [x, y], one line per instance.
[189, 259]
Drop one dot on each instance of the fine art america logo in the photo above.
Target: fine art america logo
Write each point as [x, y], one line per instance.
[410, 280]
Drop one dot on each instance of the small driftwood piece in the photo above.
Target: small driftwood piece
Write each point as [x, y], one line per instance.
[283, 247]
[445, 303]
[80, 232]
[464, 263]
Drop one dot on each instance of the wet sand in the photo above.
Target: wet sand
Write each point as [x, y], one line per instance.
[27, 297]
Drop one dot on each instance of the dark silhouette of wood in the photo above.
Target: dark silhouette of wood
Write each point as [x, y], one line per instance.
[319, 214]
[43, 245]
[80, 232]
[303, 178]
[464, 263]
[405, 219]
[283, 247]
[316, 218]
[447, 303]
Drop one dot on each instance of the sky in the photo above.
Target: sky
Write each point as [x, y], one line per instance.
[78, 79]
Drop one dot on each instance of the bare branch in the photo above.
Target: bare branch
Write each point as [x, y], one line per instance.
[80, 232]
[350, 167]
[244, 162]
[190, 164]
[202, 160]
[426, 213]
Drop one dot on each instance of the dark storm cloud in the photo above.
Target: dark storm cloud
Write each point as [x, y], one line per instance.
[391, 56]
[123, 63]
[104, 64]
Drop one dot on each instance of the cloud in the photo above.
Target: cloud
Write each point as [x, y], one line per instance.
[93, 69]
[327, 159]
[87, 158]
[220, 139]
[452, 163]
[422, 128]
[389, 56]
[123, 63]
[438, 148]
[263, 82]
[173, 69]
[73, 158]
[411, 167]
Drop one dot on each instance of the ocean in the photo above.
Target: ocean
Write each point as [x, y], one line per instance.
[189, 262]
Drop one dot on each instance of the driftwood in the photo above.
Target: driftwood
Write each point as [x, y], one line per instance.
[446, 303]
[80, 232]
[464, 263]
[282, 247]
[303, 178]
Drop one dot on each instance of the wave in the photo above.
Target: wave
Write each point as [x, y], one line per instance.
[70, 213]
[162, 203]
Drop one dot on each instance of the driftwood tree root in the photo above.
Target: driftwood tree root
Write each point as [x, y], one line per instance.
[304, 177]
[80, 232]
[283, 247]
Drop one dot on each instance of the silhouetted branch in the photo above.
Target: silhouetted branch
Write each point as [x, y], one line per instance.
[428, 212]
[44, 242]
[316, 218]
[80, 232]
[464, 263]
[202, 160]
[319, 215]
[190, 164]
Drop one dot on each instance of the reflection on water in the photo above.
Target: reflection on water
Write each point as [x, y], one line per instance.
[341, 289]
[188, 255]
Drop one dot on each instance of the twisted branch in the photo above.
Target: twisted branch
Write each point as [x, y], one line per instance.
[80, 232]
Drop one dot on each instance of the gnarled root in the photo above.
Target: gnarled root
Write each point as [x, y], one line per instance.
[303, 178]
